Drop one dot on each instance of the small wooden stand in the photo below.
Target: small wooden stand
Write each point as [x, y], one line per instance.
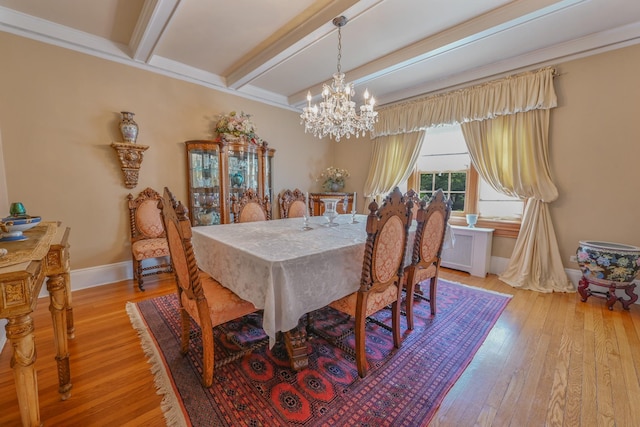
[610, 294]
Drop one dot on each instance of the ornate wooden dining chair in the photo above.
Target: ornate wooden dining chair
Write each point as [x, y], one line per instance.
[147, 236]
[427, 247]
[250, 207]
[292, 203]
[201, 297]
[382, 270]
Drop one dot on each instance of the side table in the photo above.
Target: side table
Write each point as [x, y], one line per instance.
[45, 254]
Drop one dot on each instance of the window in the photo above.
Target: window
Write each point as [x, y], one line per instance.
[452, 183]
[444, 162]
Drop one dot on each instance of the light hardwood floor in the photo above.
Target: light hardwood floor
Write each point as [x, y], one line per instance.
[550, 360]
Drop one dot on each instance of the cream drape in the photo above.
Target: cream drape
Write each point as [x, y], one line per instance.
[527, 91]
[511, 153]
[392, 160]
[502, 105]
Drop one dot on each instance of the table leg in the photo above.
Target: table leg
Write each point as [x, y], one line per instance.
[58, 308]
[295, 341]
[71, 329]
[20, 335]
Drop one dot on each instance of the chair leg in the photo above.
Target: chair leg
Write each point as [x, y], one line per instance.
[410, 288]
[140, 280]
[361, 353]
[395, 323]
[433, 288]
[186, 330]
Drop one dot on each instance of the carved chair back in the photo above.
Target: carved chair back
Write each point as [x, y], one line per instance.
[292, 203]
[432, 225]
[250, 207]
[432, 222]
[382, 269]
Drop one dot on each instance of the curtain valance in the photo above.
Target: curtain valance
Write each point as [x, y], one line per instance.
[532, 90]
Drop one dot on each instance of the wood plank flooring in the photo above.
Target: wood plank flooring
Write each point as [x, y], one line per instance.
[551, 360]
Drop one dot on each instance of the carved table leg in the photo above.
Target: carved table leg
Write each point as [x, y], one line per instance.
[20, 335]
[71, 329]
[295, 341]
[58, 308]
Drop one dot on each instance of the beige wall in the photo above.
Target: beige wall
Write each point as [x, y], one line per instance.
[59, 113]
[595, 150]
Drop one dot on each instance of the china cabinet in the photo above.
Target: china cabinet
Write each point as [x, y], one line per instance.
[218, 170]
[317, 205]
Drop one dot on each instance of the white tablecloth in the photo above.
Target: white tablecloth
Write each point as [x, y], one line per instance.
[282, 269]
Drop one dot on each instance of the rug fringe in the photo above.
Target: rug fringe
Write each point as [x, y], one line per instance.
[476, 288]
[170, 404]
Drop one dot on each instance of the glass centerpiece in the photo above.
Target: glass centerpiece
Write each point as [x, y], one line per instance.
[330, 212]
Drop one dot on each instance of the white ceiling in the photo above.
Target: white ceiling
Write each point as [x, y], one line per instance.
[275, 51]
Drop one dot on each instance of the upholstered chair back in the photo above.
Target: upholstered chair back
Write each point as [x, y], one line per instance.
[292, 203]
[250, 207]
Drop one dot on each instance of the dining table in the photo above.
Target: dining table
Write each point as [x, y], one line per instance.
[286, 270]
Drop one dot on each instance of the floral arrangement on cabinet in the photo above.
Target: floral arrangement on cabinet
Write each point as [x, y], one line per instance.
[233, 126]
[333, 179]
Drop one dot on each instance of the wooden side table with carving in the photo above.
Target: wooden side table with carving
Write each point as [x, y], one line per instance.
[45, 254]
[316, 205]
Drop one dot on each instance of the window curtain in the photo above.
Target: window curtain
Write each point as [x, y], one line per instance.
[532, 90]
[536, 262]
[510, 152]
[392, 160]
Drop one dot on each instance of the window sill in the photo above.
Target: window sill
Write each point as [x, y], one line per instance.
[502, 228]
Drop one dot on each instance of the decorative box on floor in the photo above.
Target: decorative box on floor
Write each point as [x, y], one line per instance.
[471, 251]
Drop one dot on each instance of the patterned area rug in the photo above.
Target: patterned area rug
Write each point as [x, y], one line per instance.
[404, 387]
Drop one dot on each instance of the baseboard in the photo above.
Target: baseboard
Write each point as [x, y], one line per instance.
[96, 276]
[83, 279]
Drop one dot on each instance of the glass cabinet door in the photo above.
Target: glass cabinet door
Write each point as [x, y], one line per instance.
[204, 183]
[243, 170]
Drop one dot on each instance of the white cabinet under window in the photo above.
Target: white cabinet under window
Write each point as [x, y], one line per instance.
[471, 251]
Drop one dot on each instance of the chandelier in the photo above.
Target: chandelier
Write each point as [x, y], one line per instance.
[336, 116]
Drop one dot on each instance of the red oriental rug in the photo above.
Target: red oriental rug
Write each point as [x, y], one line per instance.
[404, 386]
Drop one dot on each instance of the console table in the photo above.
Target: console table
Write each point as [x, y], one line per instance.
[45, 254]
[317, 206]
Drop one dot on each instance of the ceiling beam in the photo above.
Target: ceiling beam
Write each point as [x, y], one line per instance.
[307, 28]
[153, 20]
[495, 21]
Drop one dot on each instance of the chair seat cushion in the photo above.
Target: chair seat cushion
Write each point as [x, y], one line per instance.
[224, 304]
[150, 248]
[376, 301]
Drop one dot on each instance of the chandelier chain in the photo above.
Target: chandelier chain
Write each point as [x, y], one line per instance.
[339, 48]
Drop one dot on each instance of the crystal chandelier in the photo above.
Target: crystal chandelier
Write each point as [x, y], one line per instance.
[336, 116]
